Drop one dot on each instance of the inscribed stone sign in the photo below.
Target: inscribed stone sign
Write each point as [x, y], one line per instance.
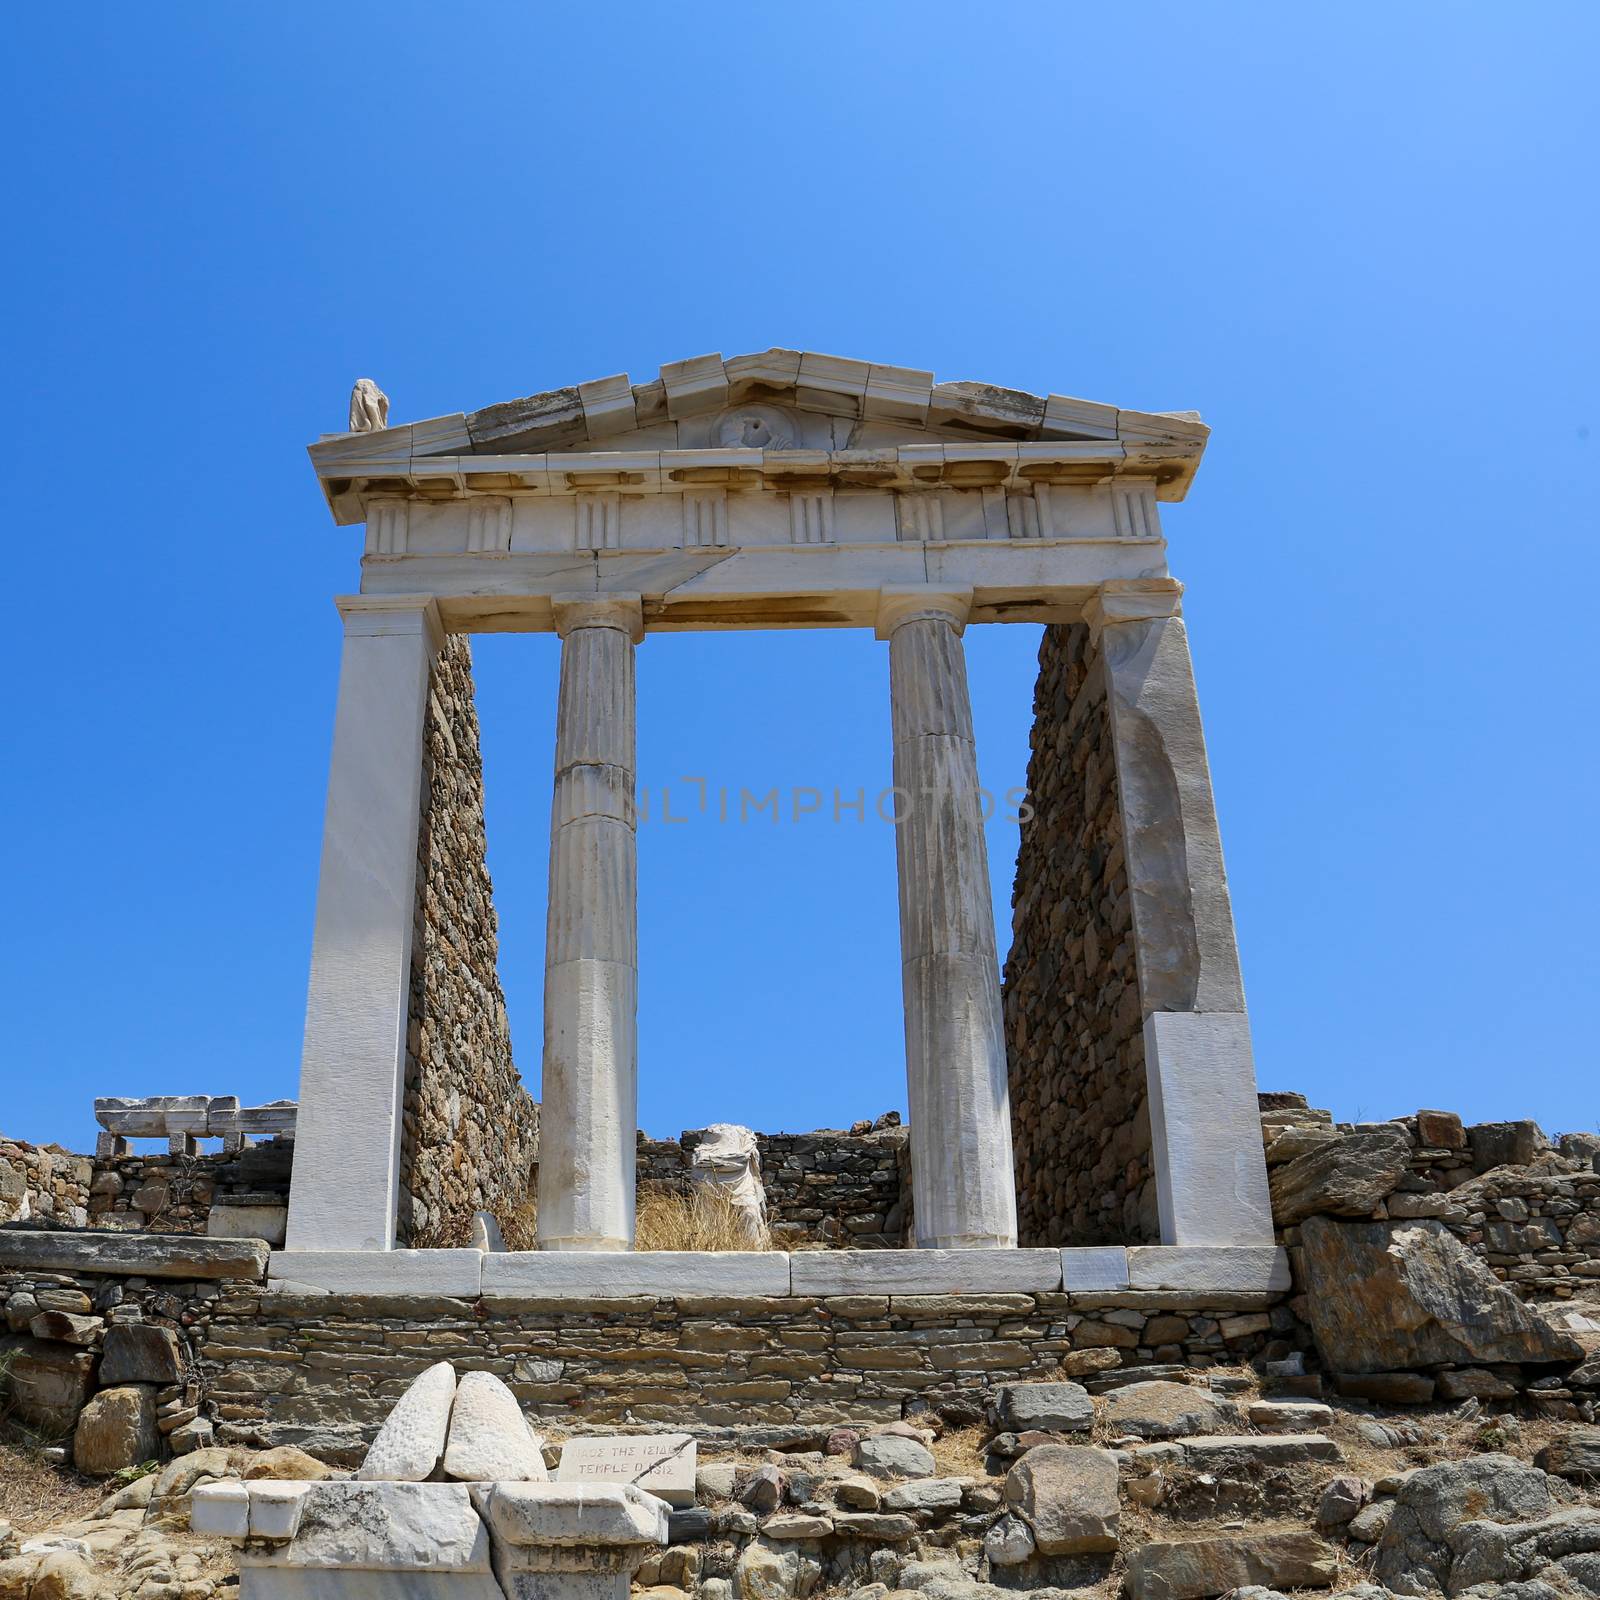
[661, 1464]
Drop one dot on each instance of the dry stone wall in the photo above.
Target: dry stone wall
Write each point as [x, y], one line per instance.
[826, 1189]
[43, 1183]
[164, 1193]
[1528, 1205]
[323, 1372]
[470, 1128]
[1080, 1122]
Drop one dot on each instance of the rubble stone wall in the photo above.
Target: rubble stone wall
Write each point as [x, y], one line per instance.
[1527, 1204]
[174, 1194]
[824, 1189]
[470, 1128]
[43, 1182]
[1074, 1040]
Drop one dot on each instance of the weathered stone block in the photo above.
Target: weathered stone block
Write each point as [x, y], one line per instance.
[116, 1429]
[1048, 1407]
[1189, 1569]
[221, 1509]
[384, 1527]
[1289, 1416]
[1386, 1388]
[1067, 1494]
[1574, 1455]
[1505, 1144]
[1349, 1177]
[1247, 1453]
[1162, 1410]
[146, 1255]
[1385, 1296]
[66, 1328]
[890, 1455]
[538, 1516]
[411, 1442]
[141, 1352]
[488, 1438]
[50, 1383]
[1440, 1130]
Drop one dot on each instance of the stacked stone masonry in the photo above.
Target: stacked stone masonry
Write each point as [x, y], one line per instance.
[827, 1189]
[43, 1183]
[470, 1131]
[1075, 1049]
[163, 1193]
[1528, 1205]
[323, 1372]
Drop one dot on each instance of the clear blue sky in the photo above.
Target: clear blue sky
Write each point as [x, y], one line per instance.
[1360, 240]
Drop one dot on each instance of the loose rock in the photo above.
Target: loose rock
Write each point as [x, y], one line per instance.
[1067, 1494]
[1347, 1177]
[1189, 1569]
[1165, 1411]
[1049, 1407]
[116, 1429]
[1575, 1456]
[888, 1455]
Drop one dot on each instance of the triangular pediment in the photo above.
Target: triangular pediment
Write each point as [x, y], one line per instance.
[782, 399]
[780, 412]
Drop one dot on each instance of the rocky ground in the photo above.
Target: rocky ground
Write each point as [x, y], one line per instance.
[1186, 1485]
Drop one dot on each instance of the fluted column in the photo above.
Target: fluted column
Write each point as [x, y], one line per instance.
[588, 1118]
[961, 1167]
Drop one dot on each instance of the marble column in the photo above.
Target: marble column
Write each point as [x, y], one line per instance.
[588, 1118]
[353, 1064]
[964, 1186]
[1211, 1175]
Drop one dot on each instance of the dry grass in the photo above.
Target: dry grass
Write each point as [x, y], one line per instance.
[518, 1224]
[960, 1453]
[35, 1495]
[668, 1220]
[704, 1219]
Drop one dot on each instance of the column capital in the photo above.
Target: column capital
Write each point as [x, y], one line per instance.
[919, 602]
[372, 615]
[624, 612]
[1132, 600]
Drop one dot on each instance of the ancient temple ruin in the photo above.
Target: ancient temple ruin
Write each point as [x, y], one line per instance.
[785, 490]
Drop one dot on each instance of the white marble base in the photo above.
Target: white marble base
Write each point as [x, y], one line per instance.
[447, 1272]
[1097, 1268]
[361, 1583]
[762, 1274]
[1228, 1268]
[221, 1508]
[603, 1274]
[924, 1271]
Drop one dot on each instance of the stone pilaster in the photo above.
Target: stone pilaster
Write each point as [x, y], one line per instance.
[589, 1114]
[961, 1163]
[1211, 1176]
[352, 1066]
